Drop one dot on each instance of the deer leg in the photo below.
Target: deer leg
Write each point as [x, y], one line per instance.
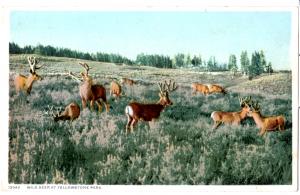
[106, 106]
[216, 124]
[99, 106]
[92, 104]
[134, 122]
[83, 101]
[262, 132]
[128, 124]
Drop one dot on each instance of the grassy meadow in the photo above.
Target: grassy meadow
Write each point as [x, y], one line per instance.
[178, 148]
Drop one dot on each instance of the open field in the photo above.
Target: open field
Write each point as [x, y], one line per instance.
[179, 148]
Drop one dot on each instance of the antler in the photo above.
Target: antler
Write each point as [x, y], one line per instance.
[169, 87]
[255, 106]
[85, 66]
[245, 100]
[49, 111]
[32, 63]
[74, 77]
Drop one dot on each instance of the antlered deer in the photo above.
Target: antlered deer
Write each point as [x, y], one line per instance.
[115, 89]
[265, 124]
[147, 112]
[127, 81]
[23, 83]
[71, 112]
[89, 91]
[232, 118]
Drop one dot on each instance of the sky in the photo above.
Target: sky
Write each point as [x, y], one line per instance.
[218, 34]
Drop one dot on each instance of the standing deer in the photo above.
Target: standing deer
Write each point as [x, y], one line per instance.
[265, 124]
[23, 83]
[232, 118]
[147, 112]
[115, 89]
[71, 112]
[89, 91]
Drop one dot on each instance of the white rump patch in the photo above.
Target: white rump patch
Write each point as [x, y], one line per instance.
[129, 111]
[212, 114]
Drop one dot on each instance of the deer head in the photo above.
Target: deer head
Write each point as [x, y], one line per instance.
[164, 90]
[255, 108]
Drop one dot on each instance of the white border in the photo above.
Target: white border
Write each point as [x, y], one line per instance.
[152, 5]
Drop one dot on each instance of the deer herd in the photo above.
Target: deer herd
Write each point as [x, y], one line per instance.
[135, 111]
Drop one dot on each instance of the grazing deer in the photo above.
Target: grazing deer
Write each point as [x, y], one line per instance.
[115, 89]
[199, 87]
[71, 112]
[232, 118]
[127, 81]
[23, 83]
[89, 91]
[265, 124]
[147, 112]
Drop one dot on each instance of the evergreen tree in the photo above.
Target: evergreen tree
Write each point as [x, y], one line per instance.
[245, 62]
[232, 66]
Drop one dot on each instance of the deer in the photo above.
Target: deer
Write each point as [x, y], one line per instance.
[207, 89]
[24, 83]
[90, 92]
[115, 89]
[266, 123]
[232, 118]
[147, 112]
[127, 81]
[216, 89]
[71, 112]
[199, 87]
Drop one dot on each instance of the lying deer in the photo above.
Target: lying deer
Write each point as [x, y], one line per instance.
[71, 112]
[200, 88]
[207, 89]
[23, 83]
[232, 118]
[265, 124]
[127, 81]
[147, 112]
[90, 92]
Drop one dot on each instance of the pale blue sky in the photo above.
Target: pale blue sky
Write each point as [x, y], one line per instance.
[216, 34]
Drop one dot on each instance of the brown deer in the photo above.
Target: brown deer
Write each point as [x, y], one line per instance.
[232, 118]
[127, 81]
[147, 112]
[200, 88]
[115, 89]
[23, 83]
[71, 112]
[207, 89]
[90, 92]
[216, 89]
[265, 124]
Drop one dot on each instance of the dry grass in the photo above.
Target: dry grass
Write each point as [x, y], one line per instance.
[179, 148]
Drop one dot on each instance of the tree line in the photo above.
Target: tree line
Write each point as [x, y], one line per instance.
[65, 52]
[251, 67]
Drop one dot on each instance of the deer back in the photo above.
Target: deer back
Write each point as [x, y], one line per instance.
[145, 112]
